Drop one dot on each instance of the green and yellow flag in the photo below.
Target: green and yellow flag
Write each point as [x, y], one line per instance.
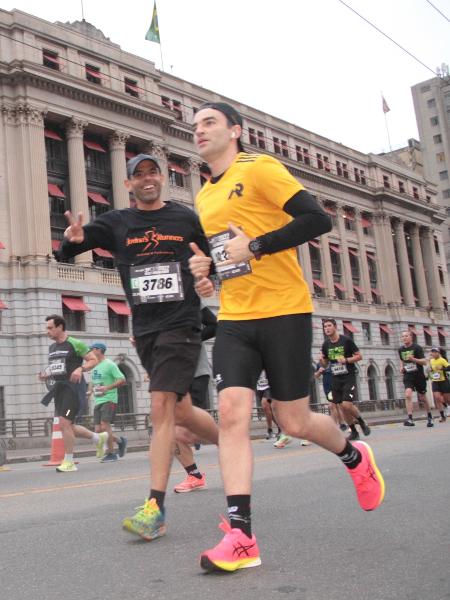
[152, 34]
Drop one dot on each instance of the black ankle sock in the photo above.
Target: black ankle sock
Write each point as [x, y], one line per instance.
[441, 412]
[239, 513]
[159, 497]
[350, 456]
[193, 470]
[269, 430]
[410, 417]
[429, 415]
[361, 421]
[353, 428]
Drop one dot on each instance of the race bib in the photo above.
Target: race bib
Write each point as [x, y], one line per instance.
[160, 282]
[218, 254]
[410, 367]
[57, 367]
[339, 369]
[435, 376]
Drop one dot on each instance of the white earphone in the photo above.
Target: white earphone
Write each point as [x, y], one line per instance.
[233, 134]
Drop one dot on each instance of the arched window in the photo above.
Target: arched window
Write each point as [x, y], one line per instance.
[372, 383]
[125, 401]
[389, 378]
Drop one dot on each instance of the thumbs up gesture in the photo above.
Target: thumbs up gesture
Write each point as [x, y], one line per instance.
[74, 233]
[199, 263]
[236, 249]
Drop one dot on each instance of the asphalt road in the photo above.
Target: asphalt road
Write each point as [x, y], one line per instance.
[61, 536]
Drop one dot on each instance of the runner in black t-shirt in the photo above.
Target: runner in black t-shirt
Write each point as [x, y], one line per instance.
[412, 361]
[150, 244]
[342, 353]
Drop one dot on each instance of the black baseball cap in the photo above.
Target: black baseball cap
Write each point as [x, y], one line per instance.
[136, 160]
[232, 115]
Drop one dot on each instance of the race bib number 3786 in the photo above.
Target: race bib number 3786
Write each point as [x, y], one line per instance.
[160, 282]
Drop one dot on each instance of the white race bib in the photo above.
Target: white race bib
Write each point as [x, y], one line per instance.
[410, 367]
[160, 282]
[435, 375]
[218, 254]
[339, 369]
[57, 367]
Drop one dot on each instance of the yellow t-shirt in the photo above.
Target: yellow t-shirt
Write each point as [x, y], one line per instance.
[437, 368]
[251, 194]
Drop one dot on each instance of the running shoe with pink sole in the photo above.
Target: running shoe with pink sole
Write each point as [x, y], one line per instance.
[191, 484]
[235, 551]
[368, 481]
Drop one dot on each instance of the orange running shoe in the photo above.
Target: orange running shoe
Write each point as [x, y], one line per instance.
[235, 551]
[190, 484]
[368, 481]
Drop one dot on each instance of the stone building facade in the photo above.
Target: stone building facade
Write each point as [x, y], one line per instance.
[74, 107]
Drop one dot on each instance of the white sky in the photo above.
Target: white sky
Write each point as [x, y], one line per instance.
[313, 63]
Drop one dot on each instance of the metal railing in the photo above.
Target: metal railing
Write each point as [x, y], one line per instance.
[42, 426]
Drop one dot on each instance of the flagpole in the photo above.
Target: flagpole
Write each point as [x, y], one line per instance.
[160, 51]
[387, 131]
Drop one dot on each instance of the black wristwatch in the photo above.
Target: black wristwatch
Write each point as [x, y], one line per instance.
[255, 247]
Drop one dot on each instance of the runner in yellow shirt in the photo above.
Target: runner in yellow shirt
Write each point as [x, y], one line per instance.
[439, 382]
[255, 215]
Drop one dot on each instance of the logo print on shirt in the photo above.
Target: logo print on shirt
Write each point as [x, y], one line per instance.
[152, 239]
[238, 190]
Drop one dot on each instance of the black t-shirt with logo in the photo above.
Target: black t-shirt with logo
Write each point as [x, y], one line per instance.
[151, 249]
[65, 357]
[411, 369]
[343, 346]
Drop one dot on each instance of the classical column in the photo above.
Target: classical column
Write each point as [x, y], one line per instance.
[403, 264]
[431, 269]
[117, 141]
[193, 167]
[77, 176]
[443, 264]
[345, 260]
[363, 266]
[387, 276]
[160, 153]
[305, 263]
[26, 174]
[419, 270]
[327, 277]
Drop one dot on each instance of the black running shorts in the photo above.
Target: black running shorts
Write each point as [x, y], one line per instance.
[67, 402]
[343, 389]
[417, 383]
[199, 391]
[441, 386]
[170, 358]
[106, 412]
[280, 345]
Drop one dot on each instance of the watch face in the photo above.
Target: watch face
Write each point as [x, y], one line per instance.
[254, 246]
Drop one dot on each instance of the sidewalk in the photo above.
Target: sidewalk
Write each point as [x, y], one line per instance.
[258, 431]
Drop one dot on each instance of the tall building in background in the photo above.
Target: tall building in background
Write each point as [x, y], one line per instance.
[75, 107]
[432, 106]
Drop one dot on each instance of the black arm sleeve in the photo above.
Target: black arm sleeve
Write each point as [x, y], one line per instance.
[209, 322]
[310, 221]
[99, 233]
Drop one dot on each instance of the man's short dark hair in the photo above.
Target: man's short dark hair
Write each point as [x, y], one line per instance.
[231, 114]
[57, 320]
[330, 320]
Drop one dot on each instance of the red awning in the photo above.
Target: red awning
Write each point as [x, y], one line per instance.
[2, 246]
[119, 307]
[54, 190]
[56, 244]
[103, 253]
[335, 248]
[129, 154]
[314, 244]
[52, 59]
[370, 255]
[428, 331]
[205, 175]
[442, 331]
[3, 305]
[319, 283]
[177, 168]
[339, 286]
[349, 327]
[75, 304]
[386, 329]
[52, 135]
[330, 210]
[95, 73]
[132, 87]
[365, 222]
[97, 198]
[353, 252]
[93, 146]
[375, 291]
[358, 289]
[412, 329]
[349, 215]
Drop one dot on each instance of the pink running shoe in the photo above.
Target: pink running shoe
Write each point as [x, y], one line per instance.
[368, 481]
[235, 551]
[190, 484]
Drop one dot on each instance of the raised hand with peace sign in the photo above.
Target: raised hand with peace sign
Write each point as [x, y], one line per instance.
[74, 233]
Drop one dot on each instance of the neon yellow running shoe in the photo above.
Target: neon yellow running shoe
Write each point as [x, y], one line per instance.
[66, 467]
[103, 438]
[148, 522]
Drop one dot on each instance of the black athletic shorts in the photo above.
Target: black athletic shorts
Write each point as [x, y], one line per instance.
[170, 358]
[67, 401]
[417, 383]
[280, 345]
[199, 391]
[106, 412]
[441, 386]
[343, 389]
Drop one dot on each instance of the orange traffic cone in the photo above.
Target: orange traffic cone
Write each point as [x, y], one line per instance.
[57, 451]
